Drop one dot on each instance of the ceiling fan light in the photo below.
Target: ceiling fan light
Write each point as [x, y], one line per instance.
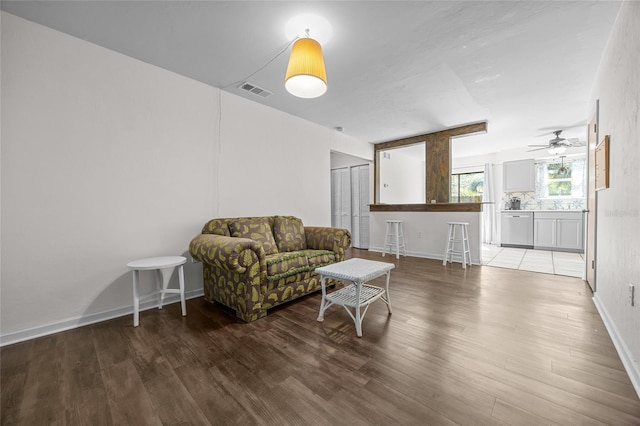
[306, 76]
[557, 150]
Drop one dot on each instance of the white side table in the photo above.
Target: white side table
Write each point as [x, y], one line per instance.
[157, 263]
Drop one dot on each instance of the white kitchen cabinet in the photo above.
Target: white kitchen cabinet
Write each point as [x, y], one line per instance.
[561, 231]
[544, 232]
[569, 234]
[519, 176]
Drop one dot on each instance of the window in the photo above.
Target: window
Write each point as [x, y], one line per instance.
[467, 187]
[561, 178]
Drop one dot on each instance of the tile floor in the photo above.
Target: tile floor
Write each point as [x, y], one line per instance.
[547, 262]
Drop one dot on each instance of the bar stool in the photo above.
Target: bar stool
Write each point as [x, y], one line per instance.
[451, 244]
[394, 238]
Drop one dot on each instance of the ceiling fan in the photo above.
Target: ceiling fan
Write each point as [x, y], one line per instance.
[557, 145]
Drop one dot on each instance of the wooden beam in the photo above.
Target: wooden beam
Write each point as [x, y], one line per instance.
[464, 130]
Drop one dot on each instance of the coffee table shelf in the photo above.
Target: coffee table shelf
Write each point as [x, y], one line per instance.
[347, 295]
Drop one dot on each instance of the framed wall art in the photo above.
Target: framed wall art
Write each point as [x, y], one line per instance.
[602, 164]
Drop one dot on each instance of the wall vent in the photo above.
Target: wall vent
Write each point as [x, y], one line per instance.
[252, 88]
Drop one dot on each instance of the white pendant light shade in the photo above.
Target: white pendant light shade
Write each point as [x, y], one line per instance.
[557, 150]
[306, 75]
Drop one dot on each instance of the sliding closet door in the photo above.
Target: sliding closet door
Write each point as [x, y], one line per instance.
[360, 206]
[350, 202]
[341, 198]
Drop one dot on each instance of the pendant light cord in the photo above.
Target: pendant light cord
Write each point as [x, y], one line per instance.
[264, 66]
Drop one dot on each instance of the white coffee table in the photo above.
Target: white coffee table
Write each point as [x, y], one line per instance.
[359, 294]
[157, 264]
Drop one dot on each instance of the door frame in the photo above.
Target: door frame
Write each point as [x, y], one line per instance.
[592, 203]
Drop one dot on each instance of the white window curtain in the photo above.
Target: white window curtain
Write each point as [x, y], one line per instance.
[579, 177]
[489, 228]
[542, 180]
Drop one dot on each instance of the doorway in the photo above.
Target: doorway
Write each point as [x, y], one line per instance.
[592, 140]
[350, 197]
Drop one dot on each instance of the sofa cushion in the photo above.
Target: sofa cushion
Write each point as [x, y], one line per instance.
[289, 233]
[217, 227]
[318, 258]
[255, 228]
[281, 265]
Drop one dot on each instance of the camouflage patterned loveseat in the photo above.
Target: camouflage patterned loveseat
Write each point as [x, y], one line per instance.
[251, 264]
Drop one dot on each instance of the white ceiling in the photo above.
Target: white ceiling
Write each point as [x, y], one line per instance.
[395, 68]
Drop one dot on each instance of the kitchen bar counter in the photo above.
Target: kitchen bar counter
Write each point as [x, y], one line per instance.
[426, 232]
[431, 207]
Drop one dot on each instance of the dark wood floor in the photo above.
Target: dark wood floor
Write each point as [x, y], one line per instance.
[483, 346]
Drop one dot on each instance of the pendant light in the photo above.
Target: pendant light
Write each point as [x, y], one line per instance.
[562, 171]
[306, 76]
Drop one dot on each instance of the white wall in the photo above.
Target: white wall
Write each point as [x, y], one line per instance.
[106, 159]
[274, 163]
[618, 208]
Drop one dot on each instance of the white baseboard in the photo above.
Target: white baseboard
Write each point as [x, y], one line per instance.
[623, 351]
[71, 323]
[439, 256]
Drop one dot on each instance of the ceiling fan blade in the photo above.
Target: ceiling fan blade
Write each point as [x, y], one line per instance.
[544, 146]
[538, 149]
[573, 142]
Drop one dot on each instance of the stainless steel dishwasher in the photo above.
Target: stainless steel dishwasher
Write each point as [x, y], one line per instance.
[516, 229]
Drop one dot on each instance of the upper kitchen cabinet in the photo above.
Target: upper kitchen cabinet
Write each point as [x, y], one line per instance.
[519, 176]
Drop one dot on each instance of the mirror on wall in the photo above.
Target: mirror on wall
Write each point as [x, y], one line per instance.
[401, 174]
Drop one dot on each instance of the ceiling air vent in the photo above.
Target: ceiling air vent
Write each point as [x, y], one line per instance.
[252, 88]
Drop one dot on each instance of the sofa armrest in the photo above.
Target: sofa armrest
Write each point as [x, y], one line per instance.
[228, 253]
[325, 238]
